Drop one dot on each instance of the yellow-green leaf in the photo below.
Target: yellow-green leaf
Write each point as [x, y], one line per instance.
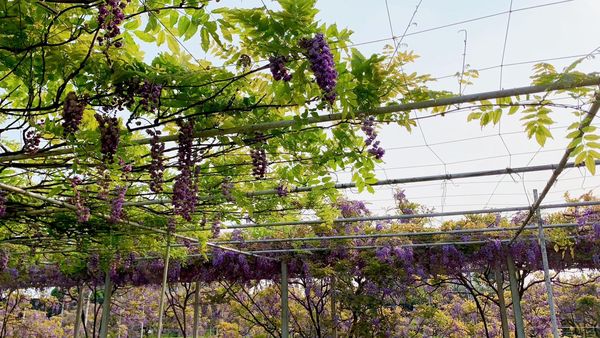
[184, 24]
[590, 164]
[133, 24]
[160, 38]
[147, 37]
[173, 44]
[580, 157]
[205, 43]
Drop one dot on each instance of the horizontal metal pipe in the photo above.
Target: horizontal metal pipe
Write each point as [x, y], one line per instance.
[348, 185]
[396, 234]
[417, 179]
[349, 237]
[366, 247]
[439, 102]
[413, 216]
[406, 180]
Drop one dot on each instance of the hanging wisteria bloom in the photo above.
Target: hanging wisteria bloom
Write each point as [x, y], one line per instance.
[184, 190]
[72, 113]
[83, 212]
[278, 69]
[321, 63]
[368, 127]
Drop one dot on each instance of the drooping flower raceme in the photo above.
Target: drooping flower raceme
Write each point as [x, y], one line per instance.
[184, 192]
[322, 65]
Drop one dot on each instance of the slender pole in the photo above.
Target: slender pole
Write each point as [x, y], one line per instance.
[516, 298]
[549, 291]
[333, 308]
[285, 331]
[502, 303]
[78, 311]
[196, 309]
[106, 305]
[87, 311]
[163, 288]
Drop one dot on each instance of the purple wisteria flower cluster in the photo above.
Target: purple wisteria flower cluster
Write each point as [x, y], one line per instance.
[157, 167]
[72, 113]
[31, 141]
[110, 16]
[322, 65]
[184, 191]
[109, 136]
[368, 127]
[83, 212]
[278, 69]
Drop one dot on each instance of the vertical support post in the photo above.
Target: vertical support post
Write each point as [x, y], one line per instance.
[516, 298]
[196, 309]
[549, 291]
[163, 288]
[333, 308]
[78, 311]
[106, 305]
[87, 309]
[285, 331]
[502, 303]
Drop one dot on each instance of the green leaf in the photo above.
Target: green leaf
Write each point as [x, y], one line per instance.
[590, 164]
[496, 115]
[540, 137]
[160, 38]
[473, 116]
[581, 157]
[133, 24]
[573, 134]
[485, 119]
[184, 24]
[190, 32]
[147, 37]
[205, 42]
[593, 145]
[174, 15]
[173, 44]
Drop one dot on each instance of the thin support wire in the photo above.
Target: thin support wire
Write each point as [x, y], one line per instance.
[505, 43]
[410, 23]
